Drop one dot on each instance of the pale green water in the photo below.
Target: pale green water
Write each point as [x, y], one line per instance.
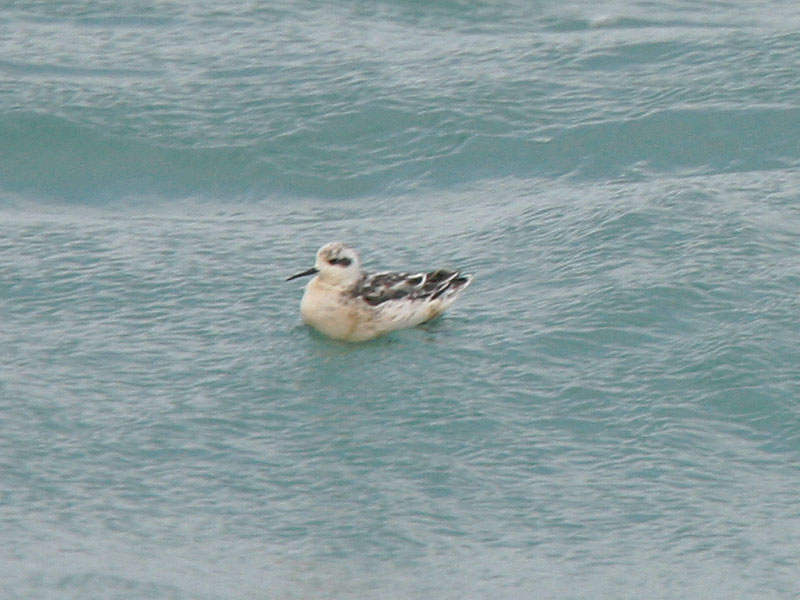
[609, 411]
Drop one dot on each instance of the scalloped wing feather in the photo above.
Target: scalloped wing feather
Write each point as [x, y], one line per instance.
[378, 288]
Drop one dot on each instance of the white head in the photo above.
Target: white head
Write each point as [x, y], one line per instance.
[337, 264]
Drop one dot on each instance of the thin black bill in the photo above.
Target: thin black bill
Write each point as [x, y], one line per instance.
[310, 271]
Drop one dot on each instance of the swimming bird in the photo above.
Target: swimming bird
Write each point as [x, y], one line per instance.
[345, 303]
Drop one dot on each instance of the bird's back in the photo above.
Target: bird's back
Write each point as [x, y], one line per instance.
[377, 288]
[403, 300]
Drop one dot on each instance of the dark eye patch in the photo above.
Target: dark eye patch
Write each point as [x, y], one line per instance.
[345, 262]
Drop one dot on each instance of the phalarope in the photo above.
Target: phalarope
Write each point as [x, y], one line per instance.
[345, 303]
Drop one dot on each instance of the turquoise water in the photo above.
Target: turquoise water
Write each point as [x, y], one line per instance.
[611, 410]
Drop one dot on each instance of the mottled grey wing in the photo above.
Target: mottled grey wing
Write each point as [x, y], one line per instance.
[381, 287]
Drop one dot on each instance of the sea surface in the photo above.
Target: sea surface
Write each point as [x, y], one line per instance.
[611, 410]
